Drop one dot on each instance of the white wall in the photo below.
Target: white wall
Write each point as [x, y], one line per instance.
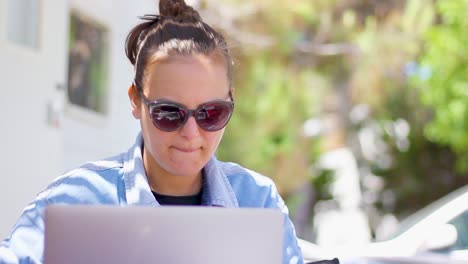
[29, 156]
[32, 152]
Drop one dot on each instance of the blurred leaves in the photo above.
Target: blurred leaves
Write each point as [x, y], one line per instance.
[328, 58]
[445, 90]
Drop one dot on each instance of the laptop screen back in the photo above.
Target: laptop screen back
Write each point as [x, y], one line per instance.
[166, 234]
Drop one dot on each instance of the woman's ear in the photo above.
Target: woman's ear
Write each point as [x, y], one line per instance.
[135, 101]
[231, 91]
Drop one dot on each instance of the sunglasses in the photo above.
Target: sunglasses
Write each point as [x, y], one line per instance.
[169, 116]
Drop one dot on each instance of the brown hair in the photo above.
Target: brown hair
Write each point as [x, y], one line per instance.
[177, 30]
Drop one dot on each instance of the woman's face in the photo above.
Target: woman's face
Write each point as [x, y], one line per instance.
[190, 81]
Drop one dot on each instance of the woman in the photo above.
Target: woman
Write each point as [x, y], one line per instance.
[182, 94]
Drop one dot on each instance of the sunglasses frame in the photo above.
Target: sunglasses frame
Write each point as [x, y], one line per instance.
[151, 105]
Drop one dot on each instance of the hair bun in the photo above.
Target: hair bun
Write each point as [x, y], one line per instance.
[177, 9]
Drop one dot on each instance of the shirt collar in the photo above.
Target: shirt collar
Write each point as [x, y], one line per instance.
[217, 190]
[137, 188]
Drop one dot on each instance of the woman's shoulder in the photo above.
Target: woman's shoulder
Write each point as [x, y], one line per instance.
[92, 182]
[252, 188]
[236, 172]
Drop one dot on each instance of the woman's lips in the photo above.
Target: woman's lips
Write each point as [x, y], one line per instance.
[186, 150]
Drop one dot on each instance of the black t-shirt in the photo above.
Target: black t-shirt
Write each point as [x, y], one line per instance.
[178, 200]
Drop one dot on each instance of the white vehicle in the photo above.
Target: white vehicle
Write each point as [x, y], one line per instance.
[437, 233]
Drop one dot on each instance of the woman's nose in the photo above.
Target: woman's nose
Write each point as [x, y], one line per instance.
[190, 129]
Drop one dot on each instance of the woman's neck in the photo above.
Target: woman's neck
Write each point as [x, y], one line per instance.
[163, 182]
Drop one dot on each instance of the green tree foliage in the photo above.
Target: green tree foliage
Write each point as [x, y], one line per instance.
[324, 57]
[443, 78]
[409, 163]
[276, 97]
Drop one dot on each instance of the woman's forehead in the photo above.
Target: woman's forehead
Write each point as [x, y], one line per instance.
[189, 75]
[185, 65]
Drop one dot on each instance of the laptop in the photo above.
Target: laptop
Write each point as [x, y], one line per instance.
[166, 234]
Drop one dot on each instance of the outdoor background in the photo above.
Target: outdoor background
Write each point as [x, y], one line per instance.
[357, 109]
[350, 104]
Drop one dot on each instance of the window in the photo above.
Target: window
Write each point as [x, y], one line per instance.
[461, 224]
[23, 22]
[87, 64]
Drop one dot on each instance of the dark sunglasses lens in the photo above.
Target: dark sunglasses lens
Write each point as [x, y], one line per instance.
[168, 117]
[214, 116]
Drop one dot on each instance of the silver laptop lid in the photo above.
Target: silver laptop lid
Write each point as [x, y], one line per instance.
[166, 234]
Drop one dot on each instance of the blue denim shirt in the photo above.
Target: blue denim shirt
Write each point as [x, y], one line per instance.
[121, 180]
